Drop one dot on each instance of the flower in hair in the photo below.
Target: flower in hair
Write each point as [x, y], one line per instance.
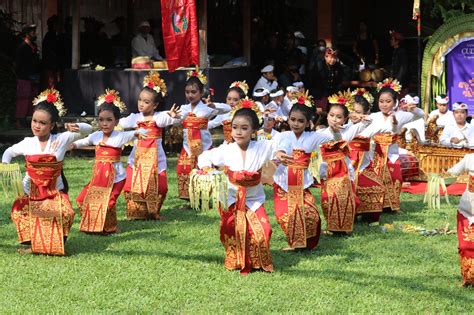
[51, 96]
[112, 97]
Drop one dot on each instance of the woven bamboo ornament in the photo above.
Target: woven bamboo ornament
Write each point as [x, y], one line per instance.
[343, 98]
[247, 103]
[364, 93]
[391, 83]
[112, 97]
[153, 81]
[242, 85]
[11, 179]
[303, 98]
[51, 96]
[207, 189]
[197, 73]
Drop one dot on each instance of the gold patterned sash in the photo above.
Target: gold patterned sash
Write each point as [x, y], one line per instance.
[193, 125]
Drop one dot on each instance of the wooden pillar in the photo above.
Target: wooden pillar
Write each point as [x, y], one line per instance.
[325, 22]
[246, 30]
[202, 20]
[51, 8]
[76, 34]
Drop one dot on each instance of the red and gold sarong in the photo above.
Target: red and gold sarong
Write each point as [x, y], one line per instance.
[466, 249]
[186, 163]
[379, 185]
[245, 234]
[338, 198]
[296, 210]
[98, 213]
[142, 188]
[44, 218]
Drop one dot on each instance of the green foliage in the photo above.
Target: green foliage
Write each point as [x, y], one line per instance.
[447, 9]
[176, 266]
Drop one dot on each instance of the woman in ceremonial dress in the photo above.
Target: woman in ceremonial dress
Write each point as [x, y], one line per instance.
[43, 216]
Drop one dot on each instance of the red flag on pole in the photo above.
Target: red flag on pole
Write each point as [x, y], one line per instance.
[180, 33]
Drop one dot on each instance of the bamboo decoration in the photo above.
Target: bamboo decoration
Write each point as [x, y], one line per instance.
[207, 189]
[11, 179]
[315, 165]
[433, 192]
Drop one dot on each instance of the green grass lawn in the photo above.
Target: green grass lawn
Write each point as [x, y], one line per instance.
[176, 266]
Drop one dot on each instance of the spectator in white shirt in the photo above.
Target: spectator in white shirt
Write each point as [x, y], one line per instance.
[267, 80]
[445, 116]
[143, 44]
[460, 134]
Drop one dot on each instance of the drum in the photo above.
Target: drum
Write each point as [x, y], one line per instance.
[365, 75]
[410, 167]
[378, 74]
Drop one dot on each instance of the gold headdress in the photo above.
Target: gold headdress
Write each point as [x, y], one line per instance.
[197, 73]
[242, 85]
[247, 103]
[364, 93]
[391, 83]
[302, 98]
[155, 82]
[51, 96]
[343, 98]
[111, 97]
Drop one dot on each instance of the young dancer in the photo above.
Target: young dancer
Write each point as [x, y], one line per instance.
[146, 185]
[196, 136]
[43, 216]
[465, 218]
[295, 206]
[98, 198]
[237, 91]
[245, 229]
[380, 180]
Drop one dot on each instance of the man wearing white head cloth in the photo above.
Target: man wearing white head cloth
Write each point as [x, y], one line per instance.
[267, 80]
[445, 116]
[143, 44]
[461, 134]
[262, 98]
[419, 124]
[278, 102]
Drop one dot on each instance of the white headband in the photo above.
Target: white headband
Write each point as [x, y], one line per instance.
[291, 88]
[260, 92]
[411, 100]
[442, 100]
[298, 84]
[458, 106]
[277, 93]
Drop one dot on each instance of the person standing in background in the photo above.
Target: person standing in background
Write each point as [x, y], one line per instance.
[143, 43]
[27, 67]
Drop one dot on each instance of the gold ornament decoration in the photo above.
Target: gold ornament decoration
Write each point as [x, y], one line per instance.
[51, 96]
[153, 81]
[112, 97]
[197, 73]
[343, 98]
[242, 85]
[391, 83]
[303, 98]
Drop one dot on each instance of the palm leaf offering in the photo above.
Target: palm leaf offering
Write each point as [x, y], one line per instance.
[436, 183]
[207, 189]
[11, 180]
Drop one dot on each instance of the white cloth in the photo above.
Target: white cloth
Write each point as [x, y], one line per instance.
[465, 134]
[32, 146]
[286, 107]
[117, 140]
[383, 124]
[444, 119]
[419, 126]
[202, 110]
[162, 119]
[142, 46]
[230, 155]
[466, 203]
[217, 121]
[309, 141]
[264, 83]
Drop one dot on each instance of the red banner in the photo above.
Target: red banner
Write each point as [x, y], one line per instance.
[180, 33]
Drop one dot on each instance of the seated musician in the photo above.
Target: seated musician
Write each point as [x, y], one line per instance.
[445, 116]
[461, 134]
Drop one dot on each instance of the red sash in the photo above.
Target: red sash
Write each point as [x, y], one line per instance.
[227, 128]
[357, 150]
[296, 217]
[144, 187]
[193, 125]
[45, 210]
[95, 205]
[242, 179]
